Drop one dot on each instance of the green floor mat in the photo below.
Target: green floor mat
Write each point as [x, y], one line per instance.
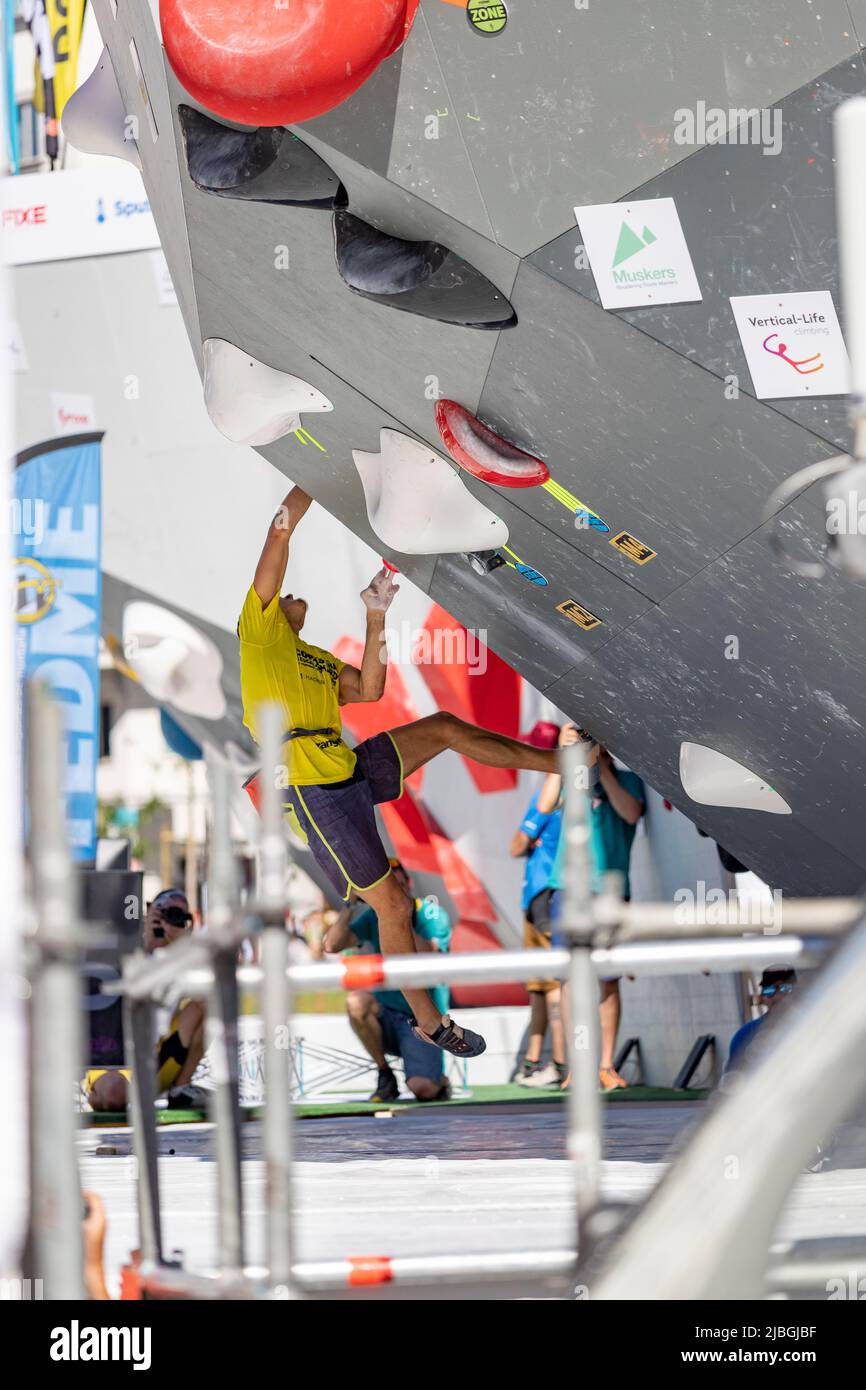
[107, 1119]
[510, 1095]
[507, 1095]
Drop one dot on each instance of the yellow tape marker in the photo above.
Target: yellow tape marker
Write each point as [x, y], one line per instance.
[568, 500]
[306, 438]
[119, 659]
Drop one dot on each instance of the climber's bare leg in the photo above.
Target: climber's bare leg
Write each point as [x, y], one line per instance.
[422, 740]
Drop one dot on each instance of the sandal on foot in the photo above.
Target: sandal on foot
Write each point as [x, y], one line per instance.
[462, 1043]
[611, 1080]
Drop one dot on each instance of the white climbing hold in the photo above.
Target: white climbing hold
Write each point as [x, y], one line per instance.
[713, 779]
[176, 664]
[95, 119]
[250, 402]
[418, 504]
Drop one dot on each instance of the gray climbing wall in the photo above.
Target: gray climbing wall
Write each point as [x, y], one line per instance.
[486, 144]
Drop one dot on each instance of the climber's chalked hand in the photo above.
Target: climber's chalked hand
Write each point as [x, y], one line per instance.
[380, 592]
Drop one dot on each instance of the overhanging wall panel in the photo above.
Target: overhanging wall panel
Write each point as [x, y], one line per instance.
[755, 223]
[645, 438]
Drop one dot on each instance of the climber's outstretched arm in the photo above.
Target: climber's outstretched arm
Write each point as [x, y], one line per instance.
[271, 569]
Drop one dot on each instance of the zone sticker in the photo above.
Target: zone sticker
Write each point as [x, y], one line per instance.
[634, 549]
[578, 614]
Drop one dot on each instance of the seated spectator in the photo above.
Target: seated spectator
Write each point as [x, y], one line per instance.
[180, 1047]
[775, 989]
[381, 1018]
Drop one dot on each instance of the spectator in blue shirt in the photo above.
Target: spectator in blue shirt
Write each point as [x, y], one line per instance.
[776, 988]
[535, 841]
[617, 800]
[381, 1018]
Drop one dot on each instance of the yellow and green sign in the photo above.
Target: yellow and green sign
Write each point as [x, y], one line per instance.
[486, 16]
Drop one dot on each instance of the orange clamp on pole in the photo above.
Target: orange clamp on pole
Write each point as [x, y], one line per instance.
[370, 1269]
[363, 972]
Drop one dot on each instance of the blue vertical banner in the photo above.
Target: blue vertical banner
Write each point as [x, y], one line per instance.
[57, 535]
[10, 108]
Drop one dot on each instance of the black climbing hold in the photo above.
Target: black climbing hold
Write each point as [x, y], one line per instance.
[421, 277]
[268, 165]
[485, 561]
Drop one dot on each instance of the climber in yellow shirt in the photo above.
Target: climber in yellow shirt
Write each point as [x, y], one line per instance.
[332, 790]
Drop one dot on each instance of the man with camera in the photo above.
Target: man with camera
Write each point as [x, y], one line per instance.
[180, 1046]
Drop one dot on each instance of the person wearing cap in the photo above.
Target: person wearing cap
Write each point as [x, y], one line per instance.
[331, 791]
[774, 992]
[381, 1018]
[535, 842]
[180, 1046]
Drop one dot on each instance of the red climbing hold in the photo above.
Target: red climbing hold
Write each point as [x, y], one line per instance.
[486, 454]
[262, 63]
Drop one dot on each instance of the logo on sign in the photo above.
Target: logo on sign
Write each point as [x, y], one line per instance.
[25, 217]
[35, 590]
[121, 209]
[629, 243]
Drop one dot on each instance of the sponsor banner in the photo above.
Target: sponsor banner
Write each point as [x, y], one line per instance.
[793, 344]
[637, 253]
[56, 535]
[74, 212]
[65, 18]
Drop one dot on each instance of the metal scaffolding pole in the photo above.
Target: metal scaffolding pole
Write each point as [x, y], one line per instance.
[56, 1035]
[487, 967]
[584, 1105]
[499, 1267]
[13, 1029]
[631, 922]
[714, 1232]
[276, 1006]
[548, 1273]
[138, 1037]
[222, 1028]
[826, 1267]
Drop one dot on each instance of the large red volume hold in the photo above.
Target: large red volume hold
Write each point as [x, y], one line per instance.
[484, 453]
[261, 63]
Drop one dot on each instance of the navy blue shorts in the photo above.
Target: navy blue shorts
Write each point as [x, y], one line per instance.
[338, 819]
[399, 1039]
[557, 901]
